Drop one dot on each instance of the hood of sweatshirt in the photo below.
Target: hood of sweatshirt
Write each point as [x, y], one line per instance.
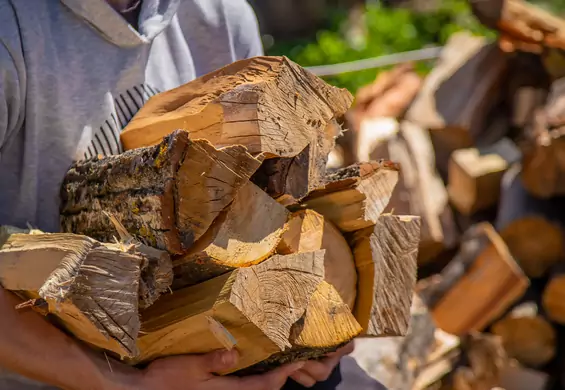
[154, 17]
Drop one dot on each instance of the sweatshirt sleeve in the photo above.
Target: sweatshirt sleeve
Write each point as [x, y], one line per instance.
[247, 39]
[12, 85]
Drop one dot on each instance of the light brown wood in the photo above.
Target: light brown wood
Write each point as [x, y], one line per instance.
[92, 289]
[543, 166]
[526, 335]
[166, 195]
[355, 196]
[244, 234]
[474, 68]
[553, 298]
[385, 258]
[308, 231]
[420, 190]
[258, 305]
[478, 285]
[268, 104]
[475, 175]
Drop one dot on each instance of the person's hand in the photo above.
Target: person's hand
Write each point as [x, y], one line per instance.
[196, 372]
[319, 370]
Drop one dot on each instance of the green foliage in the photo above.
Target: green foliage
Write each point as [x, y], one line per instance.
[387, 31]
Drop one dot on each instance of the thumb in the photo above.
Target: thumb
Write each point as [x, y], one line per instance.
[217, 361]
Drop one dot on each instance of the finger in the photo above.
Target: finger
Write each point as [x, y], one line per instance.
[272, 380]
[213, 362]
[345, 350]
[321, 370]
[301, 377]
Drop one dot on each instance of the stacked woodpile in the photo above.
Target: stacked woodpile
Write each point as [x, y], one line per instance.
[481, 144]
[219, 227]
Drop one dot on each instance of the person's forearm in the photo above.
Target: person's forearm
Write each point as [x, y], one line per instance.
[32, 347]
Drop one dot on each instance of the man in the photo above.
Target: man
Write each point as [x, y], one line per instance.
[72, 74]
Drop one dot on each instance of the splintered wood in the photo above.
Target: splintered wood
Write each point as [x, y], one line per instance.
[385, 257]
[268, 104]
[166, 195]
[93, 289]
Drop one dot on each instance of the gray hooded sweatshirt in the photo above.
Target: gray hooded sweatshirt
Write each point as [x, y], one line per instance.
[74, 72]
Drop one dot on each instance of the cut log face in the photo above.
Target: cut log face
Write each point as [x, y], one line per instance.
[308, 231]
[472, 67]
[475, 175]
[268, 104]
[244, 234]
[355, 196]
[479, 284]
[526, 335]
[553, 298]
[166, 195]
[420, 190]
[258, 305]
[385, 258]
[91, 288]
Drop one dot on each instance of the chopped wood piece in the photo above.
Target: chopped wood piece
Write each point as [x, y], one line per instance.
[420, 190]
[524, 25]
[553, 298]
[244, 234]
[396, 362]
[91, 288]
[475, 175]
[355, 196]
[385, 257]
[472, 67]
[268, 104]
[166, 195]
[258, 305]
[543, 171]
[479, 284]
[530, 227]
[520, 378]
[307, 231]
[326, 326]
[526, 335]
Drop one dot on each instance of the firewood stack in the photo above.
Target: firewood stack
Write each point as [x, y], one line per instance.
[481, 146]
[219, 228]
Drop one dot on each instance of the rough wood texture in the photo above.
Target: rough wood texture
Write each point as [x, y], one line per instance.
[477, 286]
[385, 257]
[166, 195]
[268, 104]
[472, 67]
[258, 305]
[245, 233]
[308, 231]
[327, 325]
[420, 190]
[526, 335]
[543, 171]
[522, 24]
[355, 196]
[530, 227]
[92, 289]
[475, 175]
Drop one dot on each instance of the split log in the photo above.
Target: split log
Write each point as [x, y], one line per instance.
[326, 326]
[472, 67]
[526, 26]
[355, 196]
[258, 305]
[91, 289]
[385, 257]
[475, 175]
[420, 190]
[165, 195]
[526, 335]
[530, 227]
[245, 233]
[308, 231]
[553, 298]
[477, 286]
[543, 164]
[268, 104]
